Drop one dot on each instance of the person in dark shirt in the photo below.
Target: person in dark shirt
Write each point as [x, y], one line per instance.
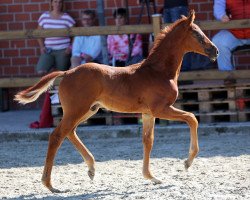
[173, 9]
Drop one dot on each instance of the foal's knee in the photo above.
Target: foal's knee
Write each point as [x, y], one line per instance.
[57, 137]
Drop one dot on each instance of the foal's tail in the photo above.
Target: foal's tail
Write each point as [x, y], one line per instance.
[32, 93]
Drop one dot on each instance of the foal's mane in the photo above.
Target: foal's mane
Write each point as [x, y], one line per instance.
[164, 32]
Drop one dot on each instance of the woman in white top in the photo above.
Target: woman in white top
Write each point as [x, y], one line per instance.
[55, 51]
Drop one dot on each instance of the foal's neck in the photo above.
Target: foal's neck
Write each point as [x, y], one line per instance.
[168, 55]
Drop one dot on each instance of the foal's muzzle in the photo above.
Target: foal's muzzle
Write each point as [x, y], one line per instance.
[212, 52]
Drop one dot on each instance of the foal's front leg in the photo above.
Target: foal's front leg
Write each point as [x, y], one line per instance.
[171, 113]
[148, 140]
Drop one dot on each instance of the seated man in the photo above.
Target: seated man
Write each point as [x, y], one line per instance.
[86, 48]
[228, 40]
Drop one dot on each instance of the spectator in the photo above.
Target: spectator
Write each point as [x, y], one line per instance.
[173, 10]
[55, 51]
[228, 40]
[86, 48]
[118, 45]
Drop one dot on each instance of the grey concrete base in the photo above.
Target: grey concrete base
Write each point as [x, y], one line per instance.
[15, 126]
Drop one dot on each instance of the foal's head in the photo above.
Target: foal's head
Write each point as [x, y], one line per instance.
[196, 41]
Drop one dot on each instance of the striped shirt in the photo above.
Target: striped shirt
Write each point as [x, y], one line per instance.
[47, 22]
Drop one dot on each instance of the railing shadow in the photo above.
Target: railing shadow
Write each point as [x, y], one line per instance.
[25, 153]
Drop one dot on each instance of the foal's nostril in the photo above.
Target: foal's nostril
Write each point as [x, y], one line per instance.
[214, 50]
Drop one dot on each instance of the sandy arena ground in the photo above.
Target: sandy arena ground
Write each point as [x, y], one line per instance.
[221, 171]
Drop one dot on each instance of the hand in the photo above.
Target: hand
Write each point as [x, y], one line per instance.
[86, 57]
[225, 19]
[42, 50]
[68, 50]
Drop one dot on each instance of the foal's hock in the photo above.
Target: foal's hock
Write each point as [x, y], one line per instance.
[149, 87]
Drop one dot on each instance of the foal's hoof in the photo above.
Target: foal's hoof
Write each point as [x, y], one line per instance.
[156, 181]
[187, 164]
[53, 190]
[91, 174]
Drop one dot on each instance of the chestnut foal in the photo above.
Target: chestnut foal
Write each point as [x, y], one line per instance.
[149, 87]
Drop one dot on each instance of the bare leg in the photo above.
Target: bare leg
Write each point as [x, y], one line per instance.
[172, 113]
[148, 140]
[75, 61]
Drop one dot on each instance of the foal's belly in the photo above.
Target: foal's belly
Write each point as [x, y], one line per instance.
[124, 104]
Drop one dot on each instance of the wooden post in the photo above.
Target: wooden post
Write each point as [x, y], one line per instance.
[156, 18]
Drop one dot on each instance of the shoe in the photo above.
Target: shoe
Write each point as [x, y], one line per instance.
[35, 124]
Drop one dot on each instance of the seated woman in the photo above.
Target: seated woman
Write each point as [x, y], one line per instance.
[118, 45]
[55, 51]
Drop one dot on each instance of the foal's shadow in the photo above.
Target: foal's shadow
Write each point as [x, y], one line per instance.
[95, 195]
[99, 194]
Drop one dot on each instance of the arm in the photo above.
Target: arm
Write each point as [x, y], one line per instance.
[76, 47]
[110, 50]
[110, 44]
[92, 48]
[137, 47]
[41, 42]
[40, 27]
[96, 49]
[150, 42]
[220, 10]
[71, 23]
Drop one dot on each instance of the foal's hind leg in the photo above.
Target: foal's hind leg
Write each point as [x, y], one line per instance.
[172, 113]
[148, 140]
[55, 141]
[75, 140]
[66, 129]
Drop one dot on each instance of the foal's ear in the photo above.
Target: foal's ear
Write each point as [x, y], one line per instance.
[183, 17]
[191, 16]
